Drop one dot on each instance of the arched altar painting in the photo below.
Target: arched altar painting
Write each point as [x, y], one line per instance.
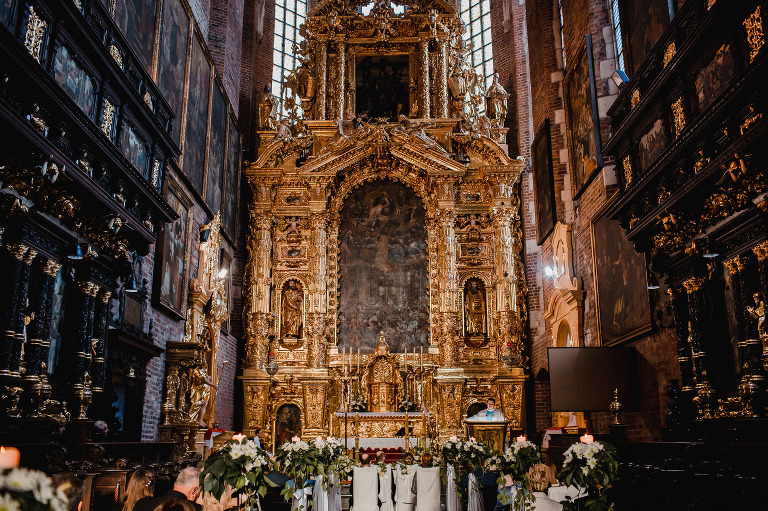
[383, 268]
[288, 423]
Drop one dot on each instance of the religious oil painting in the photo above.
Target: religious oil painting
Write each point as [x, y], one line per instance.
[652, 144]
[134, 147]
[136, 19]
[714, 78]
[584, 145]
[216, 150]
[173, 258]
[645, 21]
[543, 183]
[74, 80]
[229, 192]
[287, 423]
[382, 86]
[383, 268]
[623, 307]
[475, 313]
[172, 60]
[197, 116]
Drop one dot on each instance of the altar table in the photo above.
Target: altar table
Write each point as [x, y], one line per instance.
[380, 424]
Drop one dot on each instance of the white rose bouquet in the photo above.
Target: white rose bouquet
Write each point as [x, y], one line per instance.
[29, 490]
[299, 460]
[241, 465]
[593, 465]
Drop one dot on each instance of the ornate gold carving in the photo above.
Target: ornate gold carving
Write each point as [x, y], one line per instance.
[107, 118]
[627, 164]
[761, 251]
[693, 284]
[755, 37]
[35, 35]
[117, 56]
[678, 115]
[669, 54]
[635, 99]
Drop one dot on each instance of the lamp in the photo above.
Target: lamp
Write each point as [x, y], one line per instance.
[77, 255]
[130, 284]
[619, 77]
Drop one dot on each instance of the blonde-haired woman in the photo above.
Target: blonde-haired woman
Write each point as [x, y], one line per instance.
[140, 485]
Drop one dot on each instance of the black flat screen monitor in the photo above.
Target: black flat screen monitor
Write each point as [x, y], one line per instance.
[583, 379]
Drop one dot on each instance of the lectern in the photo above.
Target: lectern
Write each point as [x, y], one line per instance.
[491, 433]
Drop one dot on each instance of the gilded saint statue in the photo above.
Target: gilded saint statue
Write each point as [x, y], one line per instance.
[267, 109]
[200, 391]
[459, 86]
[758, 312]
[496, 102]
[474, 311]
[291, 308]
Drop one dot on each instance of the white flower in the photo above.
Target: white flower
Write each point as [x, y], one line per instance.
[585, 470]
[7, 503]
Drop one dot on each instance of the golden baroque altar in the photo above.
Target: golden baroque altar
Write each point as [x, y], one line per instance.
[449, 153]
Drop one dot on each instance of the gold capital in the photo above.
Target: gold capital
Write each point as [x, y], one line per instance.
[693, 284]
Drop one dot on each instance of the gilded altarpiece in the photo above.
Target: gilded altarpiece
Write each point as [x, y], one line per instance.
[353, 220]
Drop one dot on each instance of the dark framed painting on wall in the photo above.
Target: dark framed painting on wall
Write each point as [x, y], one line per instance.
[193, 159]
[172, 60]
[714, 78]
[543, 182]
[171, 279]
[652, 144]
[644, 21]
[582, 119]
[216, 150]
[134, 147]
[230, 190]
[621, 285]
[136, 19]
[74, 79]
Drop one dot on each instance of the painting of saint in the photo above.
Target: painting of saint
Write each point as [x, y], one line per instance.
[645, 22]
[652, 144]
[475, 313]
[136, 20]
[288, 423]
[134, 148]
[173, 256]
[74, 80]
[543, 183]
[713, 79]
[622, 289]
[229, 191]
[292, 311]
[584, 146]
[216, 150]
[383, 268]
[193, 159]
[172, 60]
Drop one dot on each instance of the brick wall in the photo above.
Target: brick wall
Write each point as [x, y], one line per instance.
[225, 41]
[201, 11]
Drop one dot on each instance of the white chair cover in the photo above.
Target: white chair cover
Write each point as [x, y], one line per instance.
[363, 480]
[428, 489]
[334, 497]
[320, 495]
[452, 500]
[385, 490]
[405, 499]
[475, 496]
[300, 500]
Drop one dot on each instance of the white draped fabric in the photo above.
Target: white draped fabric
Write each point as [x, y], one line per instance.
[475, 496]
[405, 499]
[300, 500]
[452, 500]
[320, 495]
[385, 490]
[427, 482]
[364, 479]
[334, 497]
[544, 503]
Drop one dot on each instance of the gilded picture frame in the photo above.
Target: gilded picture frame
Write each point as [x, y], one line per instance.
[623, 305]
[582, 120]
[543, 183]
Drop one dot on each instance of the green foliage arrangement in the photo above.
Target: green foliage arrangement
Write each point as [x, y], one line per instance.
[241, 465]
[594, 466]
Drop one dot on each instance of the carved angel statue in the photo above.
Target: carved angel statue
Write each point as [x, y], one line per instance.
[284, 130]
[416, 134]
[200, 392]
[758, 312]
[496, 102]
[267, 109]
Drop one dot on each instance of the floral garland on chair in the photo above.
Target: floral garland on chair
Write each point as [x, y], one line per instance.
[464, 456]
[516, 460]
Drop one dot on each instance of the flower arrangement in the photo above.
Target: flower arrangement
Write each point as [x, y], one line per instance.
[592, 465]
[330, 452]
[29, 490]
[358, 403]
[464, 456]
[406, 404]
[299, 460]
[241, 465]
[519, 457]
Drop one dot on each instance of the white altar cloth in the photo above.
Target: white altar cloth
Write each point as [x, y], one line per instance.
[382, 443]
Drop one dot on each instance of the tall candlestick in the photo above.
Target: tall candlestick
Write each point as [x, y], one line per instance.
[9, 457]
[421, 357]
[358, 362]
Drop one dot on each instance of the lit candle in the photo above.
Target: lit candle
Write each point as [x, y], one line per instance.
[9, 457]
[421, 357]
[587, 438]
[295, 439]
[358, 361]
[520, 439]
[238, 437]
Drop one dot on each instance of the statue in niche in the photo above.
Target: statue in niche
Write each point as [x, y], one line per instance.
[267, 109]
[291, 309]
[200, 391]
[475, 313]
[758, 312]
[496, 102]
[459, 86]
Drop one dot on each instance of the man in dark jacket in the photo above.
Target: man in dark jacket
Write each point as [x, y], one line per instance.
[186, 487]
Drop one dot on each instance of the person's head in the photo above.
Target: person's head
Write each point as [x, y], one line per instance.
[188, 483]
[426, 459]
[101, 428]
[258, 433]
[72, 487]
[538, 475]
[140, 485]
[491, 403]
[175, 505]
[408, 458]
[365, 459]
[379, 456]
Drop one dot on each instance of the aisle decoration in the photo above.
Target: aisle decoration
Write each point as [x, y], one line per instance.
[463, 456]
[239, 464]
[332, 461]
[516, 460]
[592, 465]
[29, 490]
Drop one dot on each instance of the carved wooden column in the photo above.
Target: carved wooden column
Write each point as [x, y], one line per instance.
[318, 267]
[38, 330]
[749, 345]
[83, 341]
[260, 280]
[341, 74]
[761, 251]
[424, 85]
[322, 83]
[99, 341]
[705, 398]
[442, 79]
[684, 355]
[448, 288]
[11, 273]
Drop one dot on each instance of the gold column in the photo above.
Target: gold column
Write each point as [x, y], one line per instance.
[424, 95]
[317, 290]
[322, 85]
[341, 48]
[442, 79]
[761, 251]
[448, 288]
[259, 283]
[705, 397]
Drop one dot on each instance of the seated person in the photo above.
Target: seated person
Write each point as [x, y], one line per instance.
[72, 487]
[540, 477]
[365, 486]
[386, 492]
[405, 498]
[426, 485]
[491, 413]
[186, 487]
